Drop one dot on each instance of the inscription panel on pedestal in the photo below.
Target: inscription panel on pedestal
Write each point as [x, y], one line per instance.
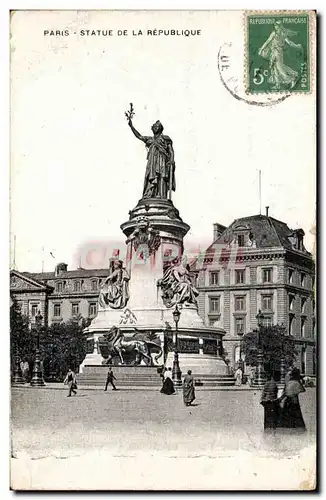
[190, 346]
[210, 347]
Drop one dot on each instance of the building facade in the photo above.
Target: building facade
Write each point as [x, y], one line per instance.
[259, 263]
[61, 295]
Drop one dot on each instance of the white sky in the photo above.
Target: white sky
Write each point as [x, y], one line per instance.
[76, 167]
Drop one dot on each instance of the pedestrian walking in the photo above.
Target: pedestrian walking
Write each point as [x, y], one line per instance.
[288, 374]
[71, 381]
[188, 389]
[109, 380]
[291, 415]
[168, 386]
[270, 403]
[238, 376]
[26, 371]
[251, 376]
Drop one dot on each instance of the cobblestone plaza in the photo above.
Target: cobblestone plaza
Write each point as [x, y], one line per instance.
[128, 424]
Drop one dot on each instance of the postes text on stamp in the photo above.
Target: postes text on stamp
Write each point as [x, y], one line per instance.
[277, 52]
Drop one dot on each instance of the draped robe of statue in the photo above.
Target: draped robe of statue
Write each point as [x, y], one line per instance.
[177, 286]
[115, 292]
[157, 175]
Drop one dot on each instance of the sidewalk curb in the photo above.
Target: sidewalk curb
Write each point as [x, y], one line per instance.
[133, 388]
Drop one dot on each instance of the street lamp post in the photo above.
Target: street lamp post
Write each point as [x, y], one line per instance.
[282, 378]
[282, 367]
[37, 378]
[176, 372]
[260, 376]
[18, 378]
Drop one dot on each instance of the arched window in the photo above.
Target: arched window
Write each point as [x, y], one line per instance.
[77, 286]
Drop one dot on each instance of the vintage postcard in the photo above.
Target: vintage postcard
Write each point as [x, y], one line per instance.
[162, 280]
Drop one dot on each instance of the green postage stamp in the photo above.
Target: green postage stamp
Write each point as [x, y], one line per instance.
[277, 52]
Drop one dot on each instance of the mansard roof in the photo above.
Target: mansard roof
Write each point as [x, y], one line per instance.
[75, 273]
[267, 232]
[263, 233]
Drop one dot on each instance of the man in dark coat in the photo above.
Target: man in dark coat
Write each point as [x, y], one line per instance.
[109, 380]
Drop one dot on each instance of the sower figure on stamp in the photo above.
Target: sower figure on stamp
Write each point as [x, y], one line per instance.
[109, 380]
[273, 50]
[160, 169]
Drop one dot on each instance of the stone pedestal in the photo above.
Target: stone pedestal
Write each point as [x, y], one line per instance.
[18, 377]
[200, 365]
[145, 309]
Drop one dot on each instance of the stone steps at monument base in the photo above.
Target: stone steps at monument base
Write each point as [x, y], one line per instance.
[122, 379]
[149, 380]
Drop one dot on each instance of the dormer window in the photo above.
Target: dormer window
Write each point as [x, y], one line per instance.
[241, 240]
[296, 239]
[300, 235]
[242, 235]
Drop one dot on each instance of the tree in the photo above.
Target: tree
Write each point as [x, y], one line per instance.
[275, 345]
[63, 346]
[22, 343]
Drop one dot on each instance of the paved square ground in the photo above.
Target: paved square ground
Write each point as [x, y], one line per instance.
[126, 423]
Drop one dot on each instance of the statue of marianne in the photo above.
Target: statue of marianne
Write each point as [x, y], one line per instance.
[160, 169]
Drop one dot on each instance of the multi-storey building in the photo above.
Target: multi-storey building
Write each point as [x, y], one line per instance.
[258, 263]
[60, 295]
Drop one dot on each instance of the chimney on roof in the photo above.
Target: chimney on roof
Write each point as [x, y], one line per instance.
[267, 208]
[60, 268]
[218, 229]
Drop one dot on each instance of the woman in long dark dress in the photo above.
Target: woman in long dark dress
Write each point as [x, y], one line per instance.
[188, 389]
[168, 387]
[71, 381]
[270, 403]
[291, 415]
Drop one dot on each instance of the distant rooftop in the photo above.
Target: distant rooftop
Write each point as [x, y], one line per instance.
[75, 273]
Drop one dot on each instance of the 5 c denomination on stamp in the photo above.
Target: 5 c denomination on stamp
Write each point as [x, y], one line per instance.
[277, 52]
